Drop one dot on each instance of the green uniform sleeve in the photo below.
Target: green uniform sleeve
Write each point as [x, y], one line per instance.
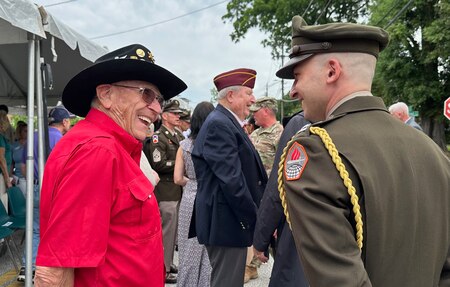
[158, 157]
[322, 220]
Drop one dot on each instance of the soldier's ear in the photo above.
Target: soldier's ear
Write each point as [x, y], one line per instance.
[164, 116]
[334, 70]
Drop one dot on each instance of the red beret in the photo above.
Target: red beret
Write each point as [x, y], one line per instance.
[237, 77]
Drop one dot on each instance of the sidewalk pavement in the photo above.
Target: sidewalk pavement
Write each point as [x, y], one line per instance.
[262, 281]
[8, 275]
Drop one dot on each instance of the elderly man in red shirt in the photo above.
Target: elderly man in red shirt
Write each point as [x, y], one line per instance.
[100, 223]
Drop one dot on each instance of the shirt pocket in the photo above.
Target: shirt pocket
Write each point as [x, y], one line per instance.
[140, 212]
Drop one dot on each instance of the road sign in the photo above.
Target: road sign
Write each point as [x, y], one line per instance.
[447, 108]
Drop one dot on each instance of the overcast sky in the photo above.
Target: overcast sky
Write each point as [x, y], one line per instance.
[195, 47]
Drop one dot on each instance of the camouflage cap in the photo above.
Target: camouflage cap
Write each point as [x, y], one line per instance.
[330, 38]
[172, 106]
[264, 102]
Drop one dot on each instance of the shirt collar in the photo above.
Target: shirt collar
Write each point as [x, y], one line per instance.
[108, 125]
[54, 130]
[271, 128]
[347, 98]
[241, 123]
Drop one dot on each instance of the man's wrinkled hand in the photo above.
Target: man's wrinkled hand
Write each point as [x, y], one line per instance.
[260, 255]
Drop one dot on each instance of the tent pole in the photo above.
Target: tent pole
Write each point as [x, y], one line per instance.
[40, 110]
[30, 162]
[41, 144]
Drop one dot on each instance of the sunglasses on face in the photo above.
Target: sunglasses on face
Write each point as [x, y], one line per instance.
[148, 94]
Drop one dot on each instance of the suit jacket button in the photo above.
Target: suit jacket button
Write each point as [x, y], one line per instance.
[259, 183]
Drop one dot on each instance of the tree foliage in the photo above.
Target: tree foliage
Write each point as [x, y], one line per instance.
[274, 17]
[16, 118]
[214, 94]
[415, 67]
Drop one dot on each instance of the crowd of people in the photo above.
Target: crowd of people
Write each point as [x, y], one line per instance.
[344, 194]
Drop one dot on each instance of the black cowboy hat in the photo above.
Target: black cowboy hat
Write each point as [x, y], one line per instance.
[134, 62]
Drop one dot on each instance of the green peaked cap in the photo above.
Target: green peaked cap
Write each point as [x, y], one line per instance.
[331, 38]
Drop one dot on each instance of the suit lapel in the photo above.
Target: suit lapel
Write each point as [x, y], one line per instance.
[244, 135]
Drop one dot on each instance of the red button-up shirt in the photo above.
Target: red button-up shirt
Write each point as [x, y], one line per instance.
[98, 211]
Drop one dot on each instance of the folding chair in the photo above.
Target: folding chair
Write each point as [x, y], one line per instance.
[17, 205]
[8, 225]
[5, 234]
[10, 221]
[16, 202]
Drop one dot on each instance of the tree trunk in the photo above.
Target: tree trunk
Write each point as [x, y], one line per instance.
[434, 128]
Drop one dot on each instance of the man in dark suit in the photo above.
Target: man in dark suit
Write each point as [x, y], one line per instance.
[231, 179]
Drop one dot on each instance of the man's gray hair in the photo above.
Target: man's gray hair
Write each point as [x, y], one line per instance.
[222, 93]
[400, 106]
[274, 110]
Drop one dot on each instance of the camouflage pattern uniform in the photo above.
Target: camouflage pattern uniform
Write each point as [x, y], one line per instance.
[266, 142]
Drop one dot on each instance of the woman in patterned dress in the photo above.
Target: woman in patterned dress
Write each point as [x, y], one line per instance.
[194, 268]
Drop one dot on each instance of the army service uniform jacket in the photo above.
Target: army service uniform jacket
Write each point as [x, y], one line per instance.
[231, 181]
[161, 151]
[402, 179]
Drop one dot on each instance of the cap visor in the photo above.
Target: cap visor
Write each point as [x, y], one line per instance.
[287, 72]
[173, 111]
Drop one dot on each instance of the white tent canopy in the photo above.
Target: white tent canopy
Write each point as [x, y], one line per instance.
[17, 17]
[65, 50]
[30, 40]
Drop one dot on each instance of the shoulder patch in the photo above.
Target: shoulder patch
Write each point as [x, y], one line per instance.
[155, 139]
[156, 155]
[296, 160]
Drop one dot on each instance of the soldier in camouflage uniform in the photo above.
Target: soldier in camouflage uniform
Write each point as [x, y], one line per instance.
[161, 152]
[265, 138]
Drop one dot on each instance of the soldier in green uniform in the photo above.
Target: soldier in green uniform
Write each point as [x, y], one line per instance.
[367, 197]
[161, 152]
[185, 123]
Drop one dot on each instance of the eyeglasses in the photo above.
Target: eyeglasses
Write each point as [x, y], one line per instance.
[148, 94]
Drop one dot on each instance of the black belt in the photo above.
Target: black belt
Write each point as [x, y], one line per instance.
[35, 181]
